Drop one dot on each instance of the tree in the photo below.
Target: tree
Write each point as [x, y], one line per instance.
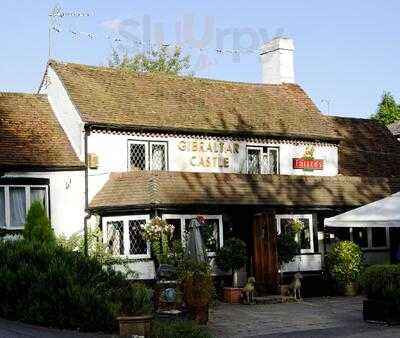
[232, 256]
[37, 227]
[388, 110]
[161, 60]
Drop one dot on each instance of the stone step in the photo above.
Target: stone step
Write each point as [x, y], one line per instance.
[274, 299]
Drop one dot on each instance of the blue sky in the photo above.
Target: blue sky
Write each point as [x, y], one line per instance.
[347, 52]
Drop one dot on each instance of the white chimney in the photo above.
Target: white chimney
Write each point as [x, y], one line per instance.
[277, 61]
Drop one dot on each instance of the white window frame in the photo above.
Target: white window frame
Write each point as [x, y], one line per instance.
[310, 226]
[183, 218]
[125, 224]
[150, 148]
[259, 149]
[262, 150]
[369, 238]
[147, 156]
[27, 202]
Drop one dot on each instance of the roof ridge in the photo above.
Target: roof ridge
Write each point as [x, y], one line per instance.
[350, 118]
[175, 76]
[6, 94]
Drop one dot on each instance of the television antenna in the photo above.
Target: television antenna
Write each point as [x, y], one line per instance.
[56, 14]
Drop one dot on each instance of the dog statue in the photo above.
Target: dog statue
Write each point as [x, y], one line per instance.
[295, 286]
[248, 291]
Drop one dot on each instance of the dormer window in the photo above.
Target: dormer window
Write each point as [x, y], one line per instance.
[147, 155]
[262, 160]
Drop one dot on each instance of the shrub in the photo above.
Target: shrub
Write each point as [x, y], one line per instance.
[96, 248]
[178, 329]
[344, 260]
[136, 300]
[51, 286]
[37, 227]
[382, 282]
[232, 256]
[286, 245]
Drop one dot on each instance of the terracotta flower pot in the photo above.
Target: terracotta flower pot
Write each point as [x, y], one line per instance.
[232, 295]
[350, 289]
[198, 308]
[135, 325]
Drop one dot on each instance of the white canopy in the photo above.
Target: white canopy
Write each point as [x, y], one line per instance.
[381, 213]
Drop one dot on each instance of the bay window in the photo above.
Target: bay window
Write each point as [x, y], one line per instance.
[124, 236]
[15, 201]
[262, 160]
[211, 230]
[147, 155]
[305, 237]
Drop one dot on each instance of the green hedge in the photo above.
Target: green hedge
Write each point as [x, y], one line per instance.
[51, 286]
[382, 282]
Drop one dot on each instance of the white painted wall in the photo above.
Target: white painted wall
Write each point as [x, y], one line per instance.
[112, 152]
[67, 198]
[65, 111]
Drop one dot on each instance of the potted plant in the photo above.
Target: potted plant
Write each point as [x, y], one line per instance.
[198, 287]
[231, 257]
[381, 284]
[159, 233]
[288, 247]
[136, 311]
[344, 261]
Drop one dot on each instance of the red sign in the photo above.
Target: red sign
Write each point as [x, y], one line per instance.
[301, 163]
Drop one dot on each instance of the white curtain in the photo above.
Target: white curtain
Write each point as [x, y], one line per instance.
[17, 207]
[158, 157]
[2, 209]
[38, 194]
[253, 158]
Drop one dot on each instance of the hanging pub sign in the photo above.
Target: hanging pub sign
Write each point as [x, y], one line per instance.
[308, 162]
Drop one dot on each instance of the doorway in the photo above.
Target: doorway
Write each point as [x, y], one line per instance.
[265, 259]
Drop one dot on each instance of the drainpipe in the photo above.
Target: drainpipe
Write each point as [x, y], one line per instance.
[88, 214]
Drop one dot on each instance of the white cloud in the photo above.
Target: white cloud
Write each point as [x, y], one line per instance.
[114, 24]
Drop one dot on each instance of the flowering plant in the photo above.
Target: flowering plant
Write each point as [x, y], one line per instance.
[159, 233]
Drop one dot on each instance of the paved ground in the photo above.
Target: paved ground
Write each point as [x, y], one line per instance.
[10, 329]
[316, 317]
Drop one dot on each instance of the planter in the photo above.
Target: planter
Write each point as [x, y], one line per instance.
[350, 290]
[198, 308]
[384, 311]
[135, 325]
[232, 295]
[199, 313]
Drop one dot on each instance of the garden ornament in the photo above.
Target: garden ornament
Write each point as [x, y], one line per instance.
[248, 291]
[295, 286]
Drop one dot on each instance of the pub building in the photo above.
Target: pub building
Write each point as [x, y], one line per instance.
[248, 158]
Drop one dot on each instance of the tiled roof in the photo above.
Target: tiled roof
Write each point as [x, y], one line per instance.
[30, 135]
[147, 188]
[395, 128]
[367, 148]
[149, 101]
